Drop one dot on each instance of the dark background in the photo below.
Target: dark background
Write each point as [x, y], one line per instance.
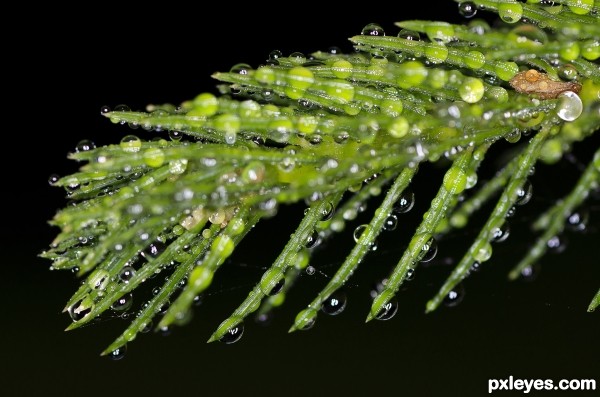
[112, 56]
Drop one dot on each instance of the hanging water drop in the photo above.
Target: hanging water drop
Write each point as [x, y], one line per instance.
[388, 311]
[233, 334]
[390, 223]
[467, 9]
[335, 303]
[358, 232]
[405, 203]
[577, 221]
[78, 310]
[277, 288]
[122, 304]
[429, 250]
[126, 274]
[105, 109]
[455, 296]
[557, 244]
[373, 29]
[310, 270]
[570, 106]
[313, 240]
[118, 353]
[524, 193]
[530, 273]
[153, 250]
[327, 212]
[500, 234]
[52, 179]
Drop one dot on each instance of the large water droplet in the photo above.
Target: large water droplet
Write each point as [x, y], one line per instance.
[313, 240]
[390, 223]
[373, 29]
[118, 353]
[429, 250]
[233, 334]
[52, 179]
[153, 250]
[405, 203]
[524, 193]
[500, 234]
[277, 287]
[77, 311]
[388, 311]
[570, 106]
[335, 303]
[455, 296]
[358, 232]
[467, 9]
[126, 274]
[131, 143]
[122, 304]
[408, 34]
[105, 109]
[241, 68]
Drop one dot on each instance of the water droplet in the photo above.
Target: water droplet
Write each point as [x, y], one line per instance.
[277, 287]
[310, 270]
[233, 334]
[408, 34]
[241, 68]
[105, 109]
[327, 212]
[511, 212]
[388, 311]
[52, 179]
[78, 310]
[85, 145]
[118, 353]
[455, 296]
[510, 12]
[410, 274]
[313, 240]
[175, 136]
[390, 223]
[264, 319]
[358, 232]
[467, 9]
[524, 193]
[570, 106]
[334, 50]
[557, 244]
[335, 303]
[122, 108]
[131, 144]
[500, 234]
[153, 250]
[530, 273]
[373, 29]
[577, 221]
[126, 274]
[405, 203]
[429, 250]
[122, 304]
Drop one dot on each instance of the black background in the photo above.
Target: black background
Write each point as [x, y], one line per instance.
[111, 56]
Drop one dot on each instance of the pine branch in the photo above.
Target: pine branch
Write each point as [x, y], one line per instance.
[334, 130]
